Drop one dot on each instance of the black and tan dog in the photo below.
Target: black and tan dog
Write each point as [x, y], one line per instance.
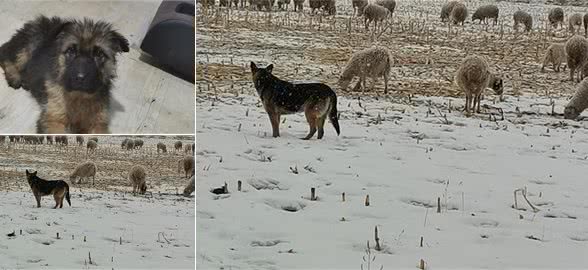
[68, 66]
[317, 100]
[59, 189]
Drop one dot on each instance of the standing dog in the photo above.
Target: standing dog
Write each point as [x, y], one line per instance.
[317, 100]
[59, 189]
[68, 66]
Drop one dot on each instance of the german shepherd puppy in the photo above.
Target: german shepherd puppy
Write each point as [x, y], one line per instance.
[317, 100]
[41, 187]
[69, 67]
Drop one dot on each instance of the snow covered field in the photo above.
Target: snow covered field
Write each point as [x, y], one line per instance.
[120, 231]
[405, 154]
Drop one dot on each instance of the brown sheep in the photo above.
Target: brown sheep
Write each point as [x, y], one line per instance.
[314, 4]
[178, 145]
[298, 5]
[358, 6]
[161, 146]
[388, 4]
[138, 143]
[50, 139]
[556, 17]
[190, 187]
[458, 14]
[375, 13]
[137, 177]
[188, 164]
[577, 54]
[372, 62]
[80, 140]
[94, 139]
[446, 10]
[473, 77]
[130, 145]
[524, 18]
[84, 170]
[91, 146]
[486, 12]
[573, 21]
[555, 55]
[123, 144]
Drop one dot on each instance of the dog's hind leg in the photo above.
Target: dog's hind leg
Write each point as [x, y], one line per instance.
[312, 119]
[56, 197]
[321, 124]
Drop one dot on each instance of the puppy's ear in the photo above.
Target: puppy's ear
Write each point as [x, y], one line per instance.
[59, 29]
[34, 173]
[27, 171]
[270, 68]
[253, 67]
[121, 44]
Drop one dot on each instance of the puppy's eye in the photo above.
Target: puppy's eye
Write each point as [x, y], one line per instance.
[99, 54]
[71, 51]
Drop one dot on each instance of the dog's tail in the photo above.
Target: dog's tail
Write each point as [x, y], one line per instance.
[67, 198]
[333, 114]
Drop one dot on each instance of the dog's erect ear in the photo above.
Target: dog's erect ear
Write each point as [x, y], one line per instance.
[34, 173]
[253, 67]
[121, 43]
[57, 31]
[27, 171]
[270, 68]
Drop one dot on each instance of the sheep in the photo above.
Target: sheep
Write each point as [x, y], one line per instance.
[94, 139]
[137, 177]
[459, 13]
[555, 55]
[298, 5]
[84, 170]
[472, 77]
[188, 164]
[178, 145]
[375, 13]
[524, 18]
[2, 139]
[161, 146]
[80, 140]
[330, 6]
[187, 148]
[138, 143]
[556, 16]
[389, 4]
[50, 139]
[91, 146]
[485, 12]
[374, 62]
[130, 145]
[283, 4]
[579, 101]
[190, 187]
[358, 6]
[123, 144]
[61, 140]
[586, 24]
[577, 54]
[573, 21]
[446, 10]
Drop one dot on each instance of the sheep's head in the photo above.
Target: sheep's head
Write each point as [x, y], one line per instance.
[571, 112]
[497, 85]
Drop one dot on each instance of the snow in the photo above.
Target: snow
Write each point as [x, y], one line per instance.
[405, 155]
[121, 231]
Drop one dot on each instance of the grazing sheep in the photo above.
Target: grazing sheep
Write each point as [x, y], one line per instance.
[486, 12]
[573, 21]
[586, 24]
[94, 139]
[358, 6]
[187, 148]
[189, 189]
[50, 139]
[314, 4]
[178, 145]
[130, 145]
[2, 139]
[138, 143]
[374, 62]
[577, 54]
[61, 140]
[161, 146]
[188, 164]
[389, 4]
[91, 146]
[579, 101]
[524, 18]
[459, 13]
[556, 16]
[446, 10]
[472, 77]
[137, 177]
[283, 4]
[555, 55]
[80, 140]
[330, 6]
[84, 170]
[298, 5]
[123, 144]
[375, 13]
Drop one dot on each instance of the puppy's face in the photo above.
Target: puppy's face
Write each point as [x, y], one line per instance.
[87, 55]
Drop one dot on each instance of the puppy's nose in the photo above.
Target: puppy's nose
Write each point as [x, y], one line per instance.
[80, 77]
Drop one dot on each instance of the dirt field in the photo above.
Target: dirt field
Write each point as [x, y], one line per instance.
[315, 47]
[57, 162]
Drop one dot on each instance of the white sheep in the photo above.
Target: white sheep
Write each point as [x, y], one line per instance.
[84, 170]
[374, 62]
[555, 55]
[473, 77]
[579, 101]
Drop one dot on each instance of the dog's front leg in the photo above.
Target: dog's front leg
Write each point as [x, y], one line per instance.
[275, 121]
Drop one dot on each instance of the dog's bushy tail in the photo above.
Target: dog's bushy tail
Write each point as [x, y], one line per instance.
[67, 195]
[333, 114]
